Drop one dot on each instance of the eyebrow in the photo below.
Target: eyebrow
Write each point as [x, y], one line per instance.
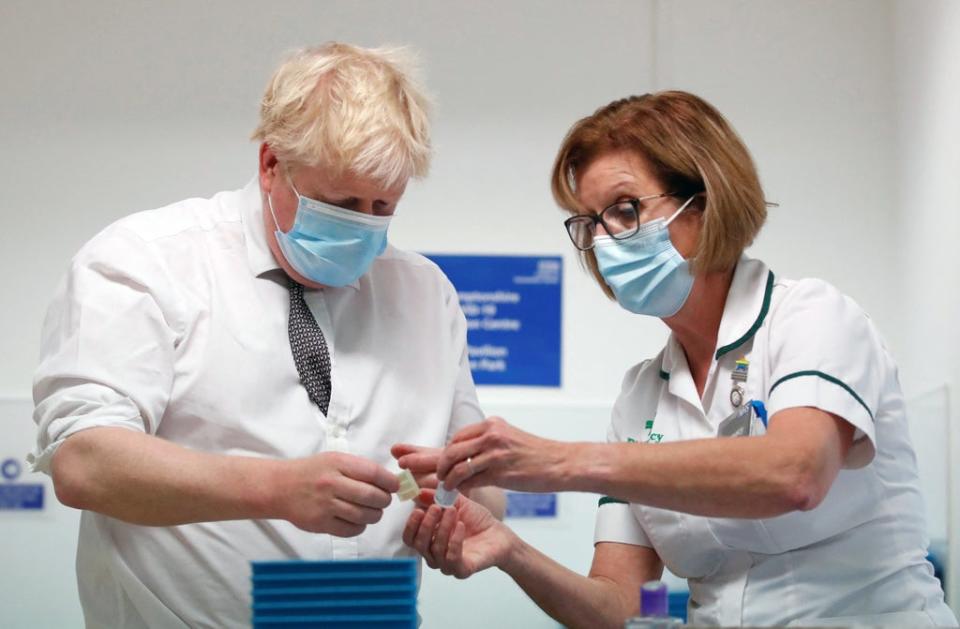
[617, 192]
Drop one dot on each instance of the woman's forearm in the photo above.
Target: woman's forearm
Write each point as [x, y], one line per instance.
[570, 598]
[787, 469]
[703, 477]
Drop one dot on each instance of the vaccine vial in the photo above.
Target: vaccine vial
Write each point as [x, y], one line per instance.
[654, 608]
[445, 497]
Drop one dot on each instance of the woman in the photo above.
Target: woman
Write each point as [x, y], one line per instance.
[763, 454]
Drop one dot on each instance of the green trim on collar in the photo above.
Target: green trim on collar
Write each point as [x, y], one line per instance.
[664, 375]
[609, 500]
[828, 378]
[726, 349]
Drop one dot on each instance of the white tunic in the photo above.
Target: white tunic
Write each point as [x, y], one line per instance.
[173, 322]
[862, 551]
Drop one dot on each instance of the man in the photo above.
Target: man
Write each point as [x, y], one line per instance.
[221, 379]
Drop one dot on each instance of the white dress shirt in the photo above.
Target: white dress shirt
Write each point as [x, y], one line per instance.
[173, 322]
[860, 556]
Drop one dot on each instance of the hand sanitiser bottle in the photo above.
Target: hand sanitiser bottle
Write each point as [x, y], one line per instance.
[653, 609]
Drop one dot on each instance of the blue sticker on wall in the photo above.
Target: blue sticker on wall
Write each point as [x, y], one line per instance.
[526, 505]
[18, 496]
[513, 310]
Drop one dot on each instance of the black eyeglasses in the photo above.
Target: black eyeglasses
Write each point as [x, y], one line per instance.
[620, 220]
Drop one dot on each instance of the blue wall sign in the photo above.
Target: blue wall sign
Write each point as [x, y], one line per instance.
[526, 505]
[513, 310]
[18, 496]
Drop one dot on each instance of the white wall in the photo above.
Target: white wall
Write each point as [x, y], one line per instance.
[113, 107]
[927, 45]
[119, 108]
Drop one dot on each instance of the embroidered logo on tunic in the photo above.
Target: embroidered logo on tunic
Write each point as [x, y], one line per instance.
[652, 437]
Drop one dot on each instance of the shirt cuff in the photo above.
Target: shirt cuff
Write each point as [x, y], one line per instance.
[617, 523]
[40, 459]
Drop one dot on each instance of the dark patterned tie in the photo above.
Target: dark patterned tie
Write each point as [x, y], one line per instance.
[309, 349]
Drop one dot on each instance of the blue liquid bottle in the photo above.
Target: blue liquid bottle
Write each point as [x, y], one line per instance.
[653, 609]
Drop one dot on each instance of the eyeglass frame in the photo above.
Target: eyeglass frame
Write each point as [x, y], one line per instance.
[598, 218]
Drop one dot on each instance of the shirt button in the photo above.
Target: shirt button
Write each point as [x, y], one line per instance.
[338, 431]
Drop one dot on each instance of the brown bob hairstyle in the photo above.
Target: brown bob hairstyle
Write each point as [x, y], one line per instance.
[691, 149]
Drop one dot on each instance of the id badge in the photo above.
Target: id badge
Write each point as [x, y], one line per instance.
[749, 419]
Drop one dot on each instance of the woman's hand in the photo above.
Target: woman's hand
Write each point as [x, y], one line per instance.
[493, 452]
[461, 540]
[420, 460]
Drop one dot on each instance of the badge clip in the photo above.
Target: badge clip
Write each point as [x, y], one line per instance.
[739, 374]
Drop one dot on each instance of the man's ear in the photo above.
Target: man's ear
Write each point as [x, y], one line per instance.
[269, 168]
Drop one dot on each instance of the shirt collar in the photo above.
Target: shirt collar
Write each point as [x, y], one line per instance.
[748, 302]
[746, 308]
[259, 257]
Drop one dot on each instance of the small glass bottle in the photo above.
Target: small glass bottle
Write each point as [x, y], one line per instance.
[445, 497]
[653, 609]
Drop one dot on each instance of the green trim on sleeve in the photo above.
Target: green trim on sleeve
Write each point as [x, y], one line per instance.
[610, 500]
[768, 291]
[828, 378]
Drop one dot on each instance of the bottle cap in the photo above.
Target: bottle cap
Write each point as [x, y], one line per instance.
[408, 485]
[445, 497]
[653, 599]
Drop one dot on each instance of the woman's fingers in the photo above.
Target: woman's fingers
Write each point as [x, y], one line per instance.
[441, 537]
[454, 557]
[412, 526]
[420, 462]
[467, 468]
[427, 481]
[471, 431]
[400, 449]
[481, 479]
[424, 536]
[457, 453]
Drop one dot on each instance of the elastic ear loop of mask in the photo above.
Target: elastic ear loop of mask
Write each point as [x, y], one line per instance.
[273, 214]
[270, 198]
[677, 213]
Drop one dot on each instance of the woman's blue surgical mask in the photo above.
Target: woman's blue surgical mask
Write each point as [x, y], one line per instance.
[330, 245]
[647, 274]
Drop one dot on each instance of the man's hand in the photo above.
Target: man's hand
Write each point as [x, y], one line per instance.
[334, 493]
[462, 540]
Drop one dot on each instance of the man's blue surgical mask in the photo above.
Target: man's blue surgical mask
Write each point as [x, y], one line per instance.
[330, 245]
[647, 274]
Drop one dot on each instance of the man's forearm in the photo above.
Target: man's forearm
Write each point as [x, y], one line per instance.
[146, 480]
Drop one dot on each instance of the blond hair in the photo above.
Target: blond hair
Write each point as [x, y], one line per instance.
[348, 109]
[691, 149]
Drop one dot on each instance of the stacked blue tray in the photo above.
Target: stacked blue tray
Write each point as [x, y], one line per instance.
[376, 593]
